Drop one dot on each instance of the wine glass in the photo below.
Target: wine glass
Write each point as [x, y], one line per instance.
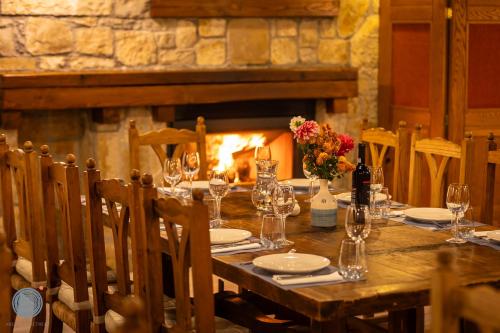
[358, 222]
[283, 204]
[172, 172]
[311, 178]
[191, 167]
[262, 153]
[219, 187]
[457, 201]
[376, 184]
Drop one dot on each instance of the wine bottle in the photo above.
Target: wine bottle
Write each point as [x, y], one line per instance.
[360, 194]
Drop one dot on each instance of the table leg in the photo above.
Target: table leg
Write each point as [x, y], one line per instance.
[333, 326]
[407, 321]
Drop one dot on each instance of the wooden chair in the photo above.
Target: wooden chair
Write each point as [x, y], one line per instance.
[488, 205]
[23, 229]
[111, 303]
[5, 294]
[189, 246]
[450, 301]
[66, 267]
[379, 141]
[169, 136]
[430, 148]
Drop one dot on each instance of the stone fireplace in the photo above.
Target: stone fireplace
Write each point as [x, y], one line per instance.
[81, 35]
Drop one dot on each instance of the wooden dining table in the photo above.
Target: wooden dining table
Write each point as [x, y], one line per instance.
[400, 259]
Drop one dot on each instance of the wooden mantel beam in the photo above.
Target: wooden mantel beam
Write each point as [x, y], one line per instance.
[39, 91]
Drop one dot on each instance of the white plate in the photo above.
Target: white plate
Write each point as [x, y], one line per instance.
[291, 263]
[300, 182]
[226, 236]
[429, 214]
[346, 197]
[200, 184]
[494, 235]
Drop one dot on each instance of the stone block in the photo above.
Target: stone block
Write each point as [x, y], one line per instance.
[211, 52]
[7, 42]
[286, 28]
[212, 27]
[284, 51]
[48, 36]
[328, 28]
[308, 33]
[185, 35]
[364, 44]
[56, 7]
[352, 13]
[135, 48]
[52, 63]
[308, 55]
[91, 62]
[333, 51]
[92, 7]
[94, 41]
[17, 64]
[248, 41]
[130, 8]
[176, 57]
[165, 40]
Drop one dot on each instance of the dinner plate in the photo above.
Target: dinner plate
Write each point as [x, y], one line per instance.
[226, 236]
[300, 182]
[346, 197]
[494, 235]
[199, 184]
[429, 214]
[291, 263]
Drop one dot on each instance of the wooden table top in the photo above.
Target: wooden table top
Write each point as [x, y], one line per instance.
[400, 262]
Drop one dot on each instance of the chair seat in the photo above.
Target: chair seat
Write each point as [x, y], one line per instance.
[113, 320]
[24, 268]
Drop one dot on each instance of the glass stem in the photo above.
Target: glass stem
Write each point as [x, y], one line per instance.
[172, 188]
[283, 218]
[311, 182]
[191, 186]
[455, 227]
[217, 208]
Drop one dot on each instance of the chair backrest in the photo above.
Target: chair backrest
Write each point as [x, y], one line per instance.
[169, 136]
[430, 149]
[379, 141]
[62, 203]
[493, 158]
[25, 236]
[5, 271]
[108, 204]
[450, 301]
[188, 244]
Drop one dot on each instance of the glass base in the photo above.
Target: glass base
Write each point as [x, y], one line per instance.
[217, 223]
[456, 240]
[285, 242]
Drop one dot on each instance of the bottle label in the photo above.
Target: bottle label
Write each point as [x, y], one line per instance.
[323, 217]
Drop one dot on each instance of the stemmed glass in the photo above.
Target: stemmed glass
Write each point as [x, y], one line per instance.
[191, 167]
[311, 178]
[172, 172]
[219, 187]
[262, 153]
[457, 201]
[376, 184]
[283, 204]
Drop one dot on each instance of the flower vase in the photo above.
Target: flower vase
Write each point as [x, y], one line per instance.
[324, 207]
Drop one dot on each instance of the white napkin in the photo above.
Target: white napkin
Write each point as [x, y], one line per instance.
[332, 277]
[236, 248]
[480, 233]
[296, 210]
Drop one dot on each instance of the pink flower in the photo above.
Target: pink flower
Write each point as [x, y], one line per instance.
[346, 144]
[308, 130]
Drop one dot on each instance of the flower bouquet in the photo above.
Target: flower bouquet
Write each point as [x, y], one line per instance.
[324, 157]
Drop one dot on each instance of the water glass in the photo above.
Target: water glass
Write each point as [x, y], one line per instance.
[352, 260]
[218, 186]
[457, 201]
[358, 222]
[384, 204]
[466, 225]
[172, 172]
[270, 231]
[190, 167]
[283, 205]
[210, 203]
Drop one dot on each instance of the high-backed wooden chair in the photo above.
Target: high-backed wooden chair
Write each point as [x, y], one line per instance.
[5, 295]
[379, 141]
[66, 266]
[110, 301]
[488, 205]
[450, 301]
[444, 150]
[189, 246]
[169, 136]
[22, 224]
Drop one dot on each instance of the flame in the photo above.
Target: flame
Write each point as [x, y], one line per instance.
[232, 143]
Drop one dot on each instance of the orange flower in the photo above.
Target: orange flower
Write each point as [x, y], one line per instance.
[322, 158]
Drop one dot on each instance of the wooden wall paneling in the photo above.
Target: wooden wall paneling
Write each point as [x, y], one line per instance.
[243, 8]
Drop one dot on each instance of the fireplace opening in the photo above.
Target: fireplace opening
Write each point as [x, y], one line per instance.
[258, 123]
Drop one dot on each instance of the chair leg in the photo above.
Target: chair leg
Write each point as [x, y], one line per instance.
[38, 322]
[55, 324]
[83, 320]
[12, 313]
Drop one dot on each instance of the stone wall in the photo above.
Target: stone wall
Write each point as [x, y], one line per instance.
[66, 35]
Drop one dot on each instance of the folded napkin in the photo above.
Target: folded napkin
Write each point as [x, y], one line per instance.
[301, 279]
[236, 248]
